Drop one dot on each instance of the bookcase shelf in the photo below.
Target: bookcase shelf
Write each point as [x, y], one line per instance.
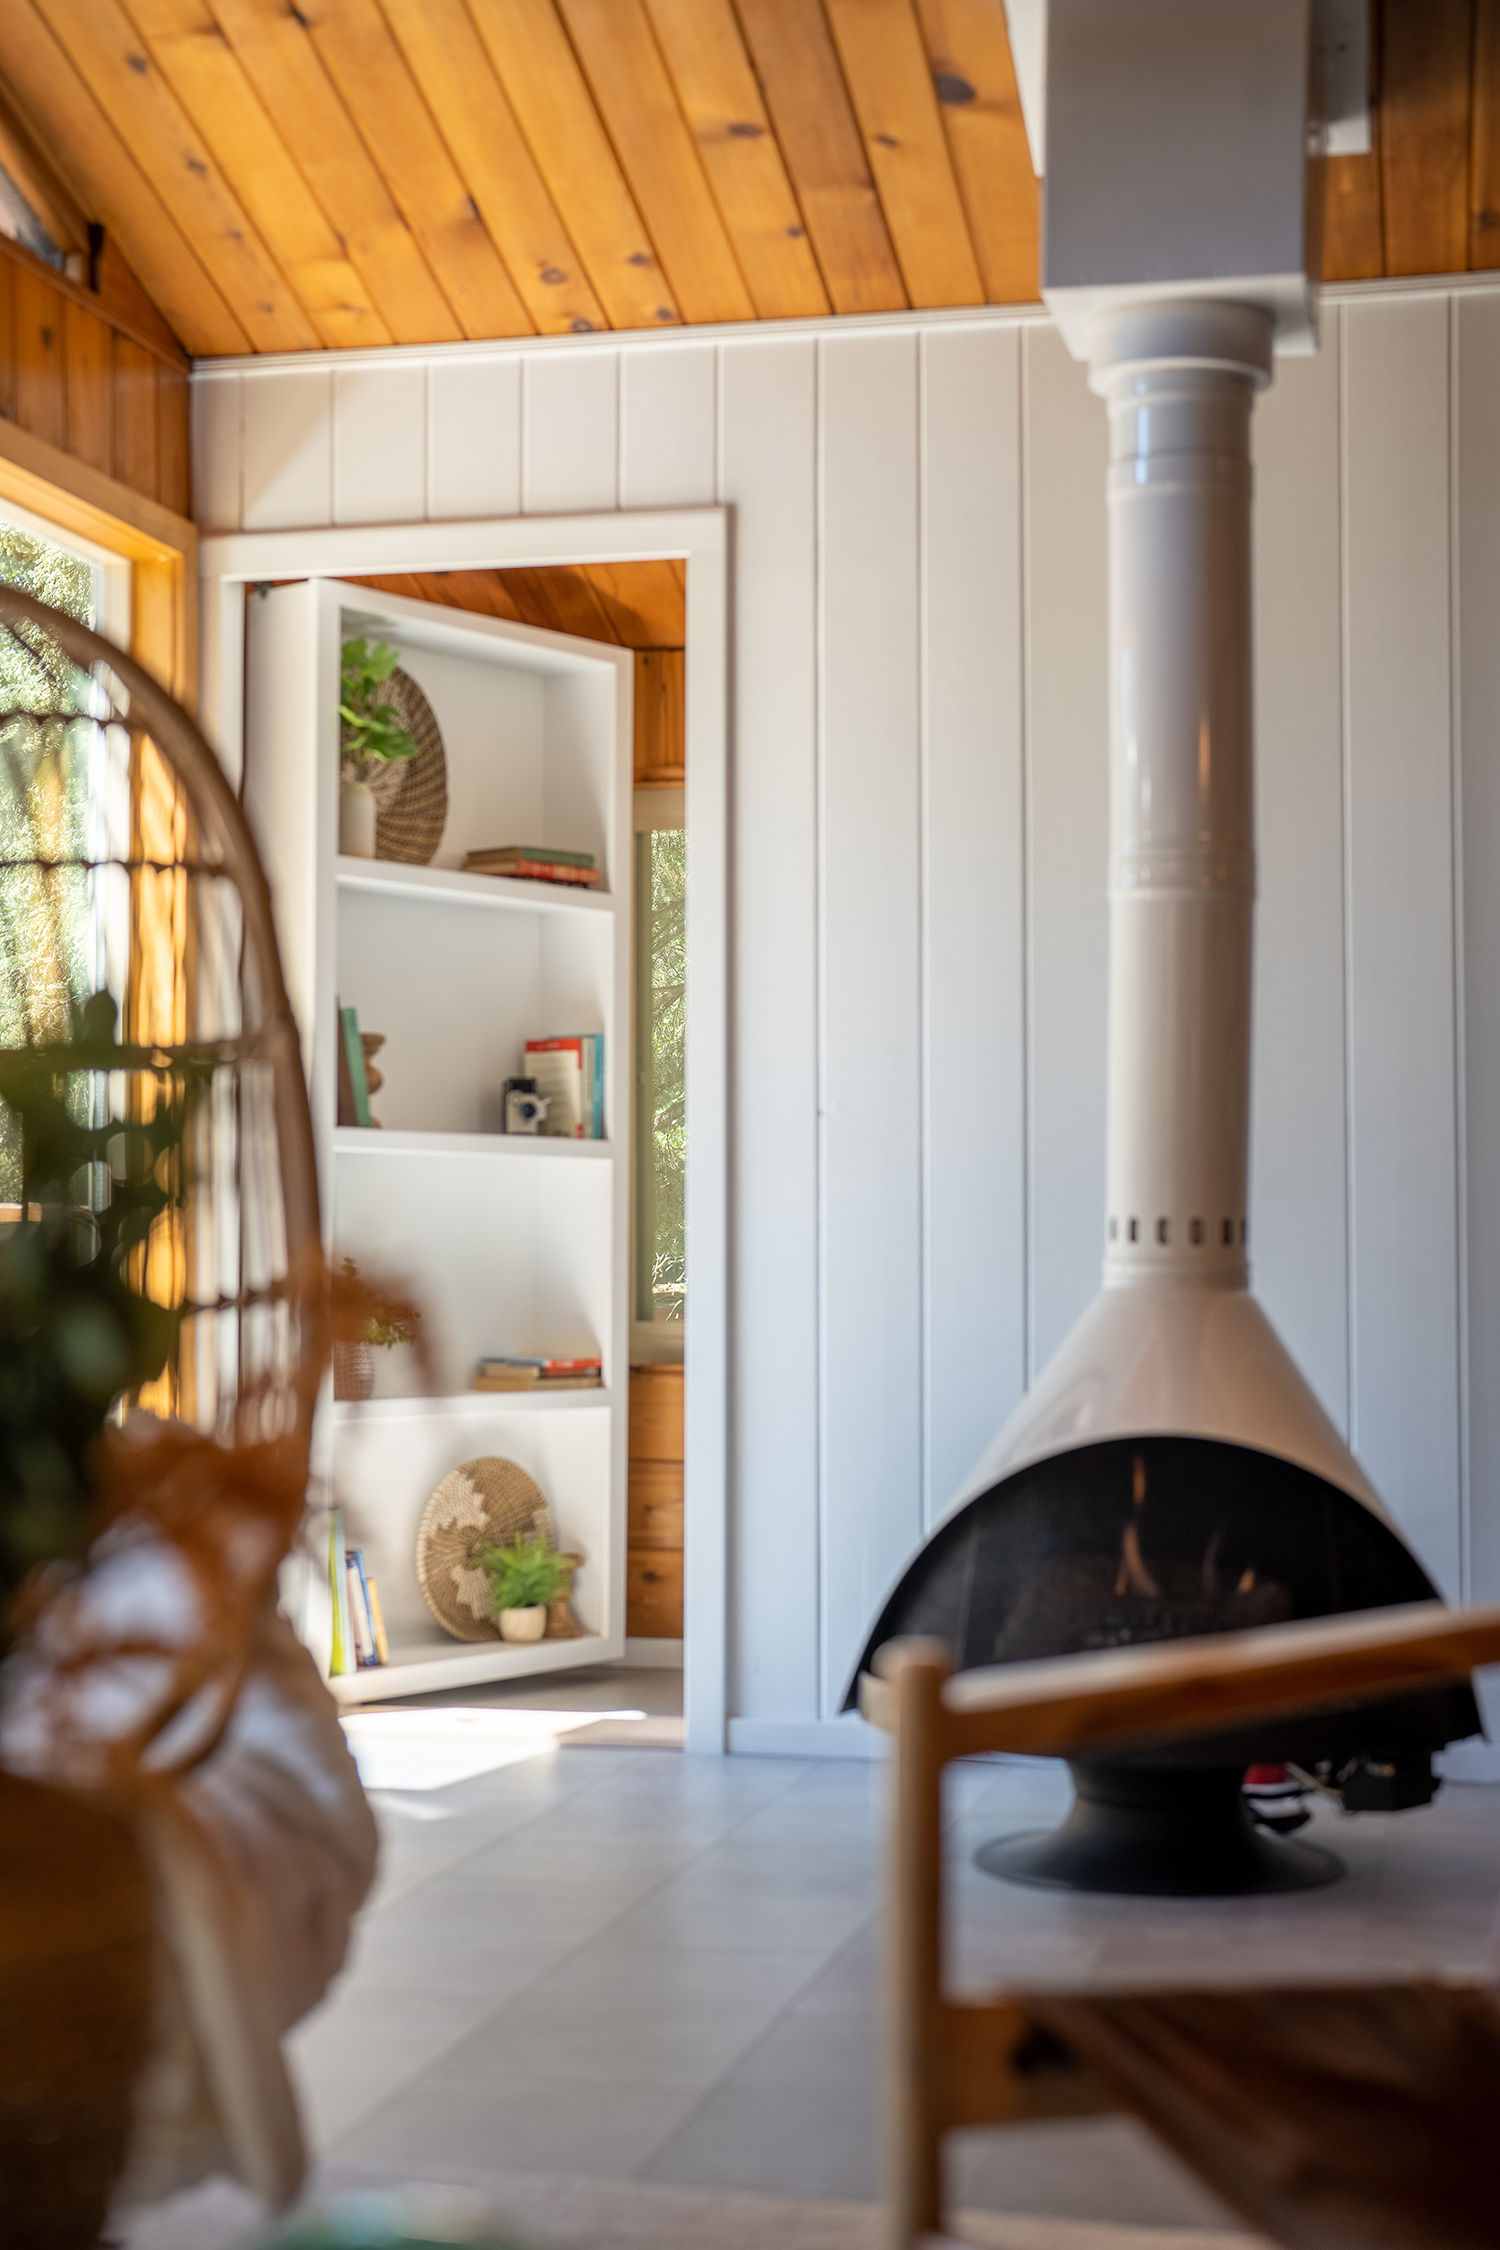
[474, 1405]
[507, 1243]
[423, 1667]
[450, 886]
[362, 1140]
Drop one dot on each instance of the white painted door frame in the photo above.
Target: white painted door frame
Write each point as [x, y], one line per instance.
[700, 537]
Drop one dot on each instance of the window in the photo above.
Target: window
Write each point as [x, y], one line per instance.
[49, 918]
[660, 1058]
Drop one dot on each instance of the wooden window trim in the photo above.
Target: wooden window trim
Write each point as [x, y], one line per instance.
[162, 548]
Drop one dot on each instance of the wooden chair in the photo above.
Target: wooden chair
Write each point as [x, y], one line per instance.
[1006, 2058]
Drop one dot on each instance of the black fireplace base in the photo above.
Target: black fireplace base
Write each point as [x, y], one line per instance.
[1159, 1832]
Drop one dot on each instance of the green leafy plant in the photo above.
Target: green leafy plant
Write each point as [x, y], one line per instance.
[523, 1575]
[371, 728]
[76, 1329]
[385, 1321]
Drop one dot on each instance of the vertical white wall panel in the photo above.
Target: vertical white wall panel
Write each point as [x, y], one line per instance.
[1404, 1251]
[380, 444]
[570, 433]
[1298, 1147]
[474, 438]
[1477, 495]
[288, 441]
[217, 447]
[770, 477]
[870, 946]
[1067, 802]
[974, 1154]
[668, 427]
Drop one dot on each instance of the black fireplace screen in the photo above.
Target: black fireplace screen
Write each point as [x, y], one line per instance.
[1164, 1538]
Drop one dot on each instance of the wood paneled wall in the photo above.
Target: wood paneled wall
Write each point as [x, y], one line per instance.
[919, 807]
[107, 389]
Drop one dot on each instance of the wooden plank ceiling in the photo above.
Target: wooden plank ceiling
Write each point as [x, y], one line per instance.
[289, 174]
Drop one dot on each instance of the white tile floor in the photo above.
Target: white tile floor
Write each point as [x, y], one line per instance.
[636, 1963]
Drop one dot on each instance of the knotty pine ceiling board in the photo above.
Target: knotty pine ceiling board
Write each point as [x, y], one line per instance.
[209, 82]
[285, 174]
[890, 80]
[721, 101]
[540, 72]
[792, 49]
[107, 50]
[617, 48]
[639, 605]
[448, 61]
[109, 184]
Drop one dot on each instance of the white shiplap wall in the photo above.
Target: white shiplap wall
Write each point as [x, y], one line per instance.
[918, 838]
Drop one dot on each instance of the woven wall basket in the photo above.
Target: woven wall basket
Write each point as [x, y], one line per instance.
[411, 794]
[485, 1503]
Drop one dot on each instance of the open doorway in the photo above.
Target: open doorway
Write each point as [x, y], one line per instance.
[641, 606]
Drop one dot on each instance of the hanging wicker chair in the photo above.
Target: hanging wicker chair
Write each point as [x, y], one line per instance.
[144, 1018]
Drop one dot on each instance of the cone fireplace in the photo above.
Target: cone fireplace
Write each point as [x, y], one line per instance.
[1171, 1473]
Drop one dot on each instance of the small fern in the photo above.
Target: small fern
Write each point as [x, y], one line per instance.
[523, 1575]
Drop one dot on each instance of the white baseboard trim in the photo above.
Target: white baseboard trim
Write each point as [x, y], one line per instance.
[1474, 1760]
[848, 1737]
[665, 1656]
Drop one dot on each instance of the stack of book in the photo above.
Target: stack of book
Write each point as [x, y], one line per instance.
[534, 863]
[358, 1627]
[509, 1371]
[570, 1073]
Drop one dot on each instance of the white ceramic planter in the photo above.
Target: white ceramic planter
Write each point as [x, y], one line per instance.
[357, 820]
[524, 1624]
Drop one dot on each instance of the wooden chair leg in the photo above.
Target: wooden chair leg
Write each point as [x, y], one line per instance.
[914, 1940]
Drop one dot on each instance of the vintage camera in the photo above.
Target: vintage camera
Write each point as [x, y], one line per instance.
[525, 1108]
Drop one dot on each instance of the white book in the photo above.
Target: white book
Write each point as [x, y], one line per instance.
[557, 1067]
[359, 1615]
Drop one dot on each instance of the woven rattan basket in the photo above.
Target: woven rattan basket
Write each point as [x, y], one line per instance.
[485, 1503]
[411, 794]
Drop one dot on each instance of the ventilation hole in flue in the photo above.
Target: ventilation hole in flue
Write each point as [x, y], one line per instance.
[1164, 1231]
[1229, 1234]
[1196, 1232]
[1135, 1230]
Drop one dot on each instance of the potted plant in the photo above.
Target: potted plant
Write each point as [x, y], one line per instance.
[525, 1580]
[365, 1322]
[371, 734]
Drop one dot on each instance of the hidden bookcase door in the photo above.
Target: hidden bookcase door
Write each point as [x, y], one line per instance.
[508, 1243]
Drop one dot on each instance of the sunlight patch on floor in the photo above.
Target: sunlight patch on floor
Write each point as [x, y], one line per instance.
[407, 1750]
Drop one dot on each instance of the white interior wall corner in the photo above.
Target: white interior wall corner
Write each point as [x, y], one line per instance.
[918, 722]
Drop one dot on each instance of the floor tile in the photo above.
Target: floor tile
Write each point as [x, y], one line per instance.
[587, 2127]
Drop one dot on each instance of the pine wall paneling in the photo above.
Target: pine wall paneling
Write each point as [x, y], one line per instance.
[84, 379]
[918, 825]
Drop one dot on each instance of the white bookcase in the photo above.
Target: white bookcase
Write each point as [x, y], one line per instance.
[508, 1243]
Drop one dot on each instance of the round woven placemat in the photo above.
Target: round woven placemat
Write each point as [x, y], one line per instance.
[411, 794]
[483, 1503]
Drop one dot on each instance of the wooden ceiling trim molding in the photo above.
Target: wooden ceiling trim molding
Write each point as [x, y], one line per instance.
[1426, 53]
[795, 60]
[890, 81]
[281, 64]
[535, 63]
[357, 50]
[444, 53]
[716, 86]
[181, 168]
[204, 73]
[1484, 148]
[108, 183]
[614, 42]
[975, 81]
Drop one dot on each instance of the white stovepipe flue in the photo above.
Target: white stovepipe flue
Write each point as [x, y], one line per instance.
[1174, 1342]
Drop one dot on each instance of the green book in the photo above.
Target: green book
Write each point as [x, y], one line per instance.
[341, 1654]
[354, 1056]
[538, 852]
